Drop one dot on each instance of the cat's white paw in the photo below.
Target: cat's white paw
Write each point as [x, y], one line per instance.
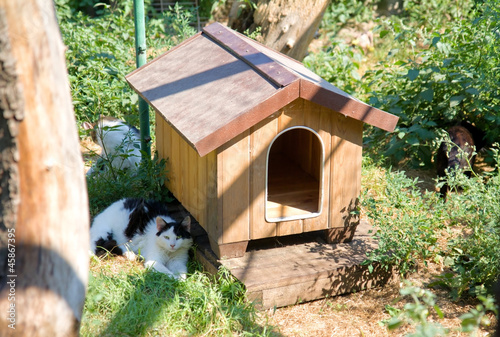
[130, 255]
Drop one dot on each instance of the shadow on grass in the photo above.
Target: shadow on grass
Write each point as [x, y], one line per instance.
[145, 303]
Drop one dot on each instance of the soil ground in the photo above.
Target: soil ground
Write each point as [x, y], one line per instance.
[363, 313]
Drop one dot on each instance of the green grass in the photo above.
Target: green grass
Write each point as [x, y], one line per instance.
[124, 299]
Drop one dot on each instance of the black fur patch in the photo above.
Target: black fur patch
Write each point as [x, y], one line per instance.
[143, 211]
[135, 130]
[451, 157]
[179, 230]
[108, 245]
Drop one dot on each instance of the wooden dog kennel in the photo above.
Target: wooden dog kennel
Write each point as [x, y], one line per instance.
[257, 145]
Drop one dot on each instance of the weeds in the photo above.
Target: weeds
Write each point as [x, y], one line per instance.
[422, 306]
[411, 227]
[408, 223]
[146, 182]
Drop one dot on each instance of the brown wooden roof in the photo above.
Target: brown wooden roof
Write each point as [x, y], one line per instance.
[219, 83]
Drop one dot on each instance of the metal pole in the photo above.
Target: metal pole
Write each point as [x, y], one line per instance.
[141, 59]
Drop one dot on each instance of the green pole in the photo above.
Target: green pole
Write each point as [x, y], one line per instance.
[141, 59]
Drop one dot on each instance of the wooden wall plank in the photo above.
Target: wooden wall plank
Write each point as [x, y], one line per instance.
[236, 189]
[212, 197]
[202, 189]
[261, 136]
[347, 141]
[190, 177]
[183, 176]
[167, 154]
[293, 115]
[175, 170]
[318, 118]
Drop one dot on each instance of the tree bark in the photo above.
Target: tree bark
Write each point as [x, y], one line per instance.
[289, 26]
[44, 218]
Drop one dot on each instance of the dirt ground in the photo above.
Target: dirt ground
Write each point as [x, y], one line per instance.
[362, 313]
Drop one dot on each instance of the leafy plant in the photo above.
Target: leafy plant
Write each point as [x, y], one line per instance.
[408, 223]
[423, 304]
[340, 13]
[148, 182]
[474, 257]
[434, 78]
[416, 312]
[338, 64]
[476, 317]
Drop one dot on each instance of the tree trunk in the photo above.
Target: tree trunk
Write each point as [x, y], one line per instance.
[44, 219]
[289, 26]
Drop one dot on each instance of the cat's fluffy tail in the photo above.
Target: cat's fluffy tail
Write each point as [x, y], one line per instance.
[107, 246]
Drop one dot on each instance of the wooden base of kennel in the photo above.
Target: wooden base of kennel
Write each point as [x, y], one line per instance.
[289, 270]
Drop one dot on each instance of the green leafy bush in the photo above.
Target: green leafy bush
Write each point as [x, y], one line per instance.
[148, 182]
[338, 64]
[341, 13]
[474, 257]
[409, 224]
[434, 77]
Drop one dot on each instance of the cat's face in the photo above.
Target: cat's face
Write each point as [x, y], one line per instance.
[173, 236]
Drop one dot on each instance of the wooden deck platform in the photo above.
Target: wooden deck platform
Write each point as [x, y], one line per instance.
[288, 270]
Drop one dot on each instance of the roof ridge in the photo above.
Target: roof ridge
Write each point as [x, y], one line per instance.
[262, 63]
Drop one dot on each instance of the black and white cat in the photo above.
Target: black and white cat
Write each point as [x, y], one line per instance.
[137, 226]
[120, 144]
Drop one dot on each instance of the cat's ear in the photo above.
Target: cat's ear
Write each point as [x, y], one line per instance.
[186, 223]
[160, 224]
[87, 126]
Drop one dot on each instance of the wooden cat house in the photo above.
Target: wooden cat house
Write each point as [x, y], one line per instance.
[258, 146]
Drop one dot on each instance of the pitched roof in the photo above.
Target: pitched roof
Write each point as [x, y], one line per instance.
[219, 83]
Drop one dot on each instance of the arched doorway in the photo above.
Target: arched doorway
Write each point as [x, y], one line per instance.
[294, 175]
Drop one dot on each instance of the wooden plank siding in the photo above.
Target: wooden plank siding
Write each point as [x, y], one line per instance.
[318, 118]
[190, 177]
[261, 136]
[211, 199]
[233, 162]
[225, 190]
[347, 141]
